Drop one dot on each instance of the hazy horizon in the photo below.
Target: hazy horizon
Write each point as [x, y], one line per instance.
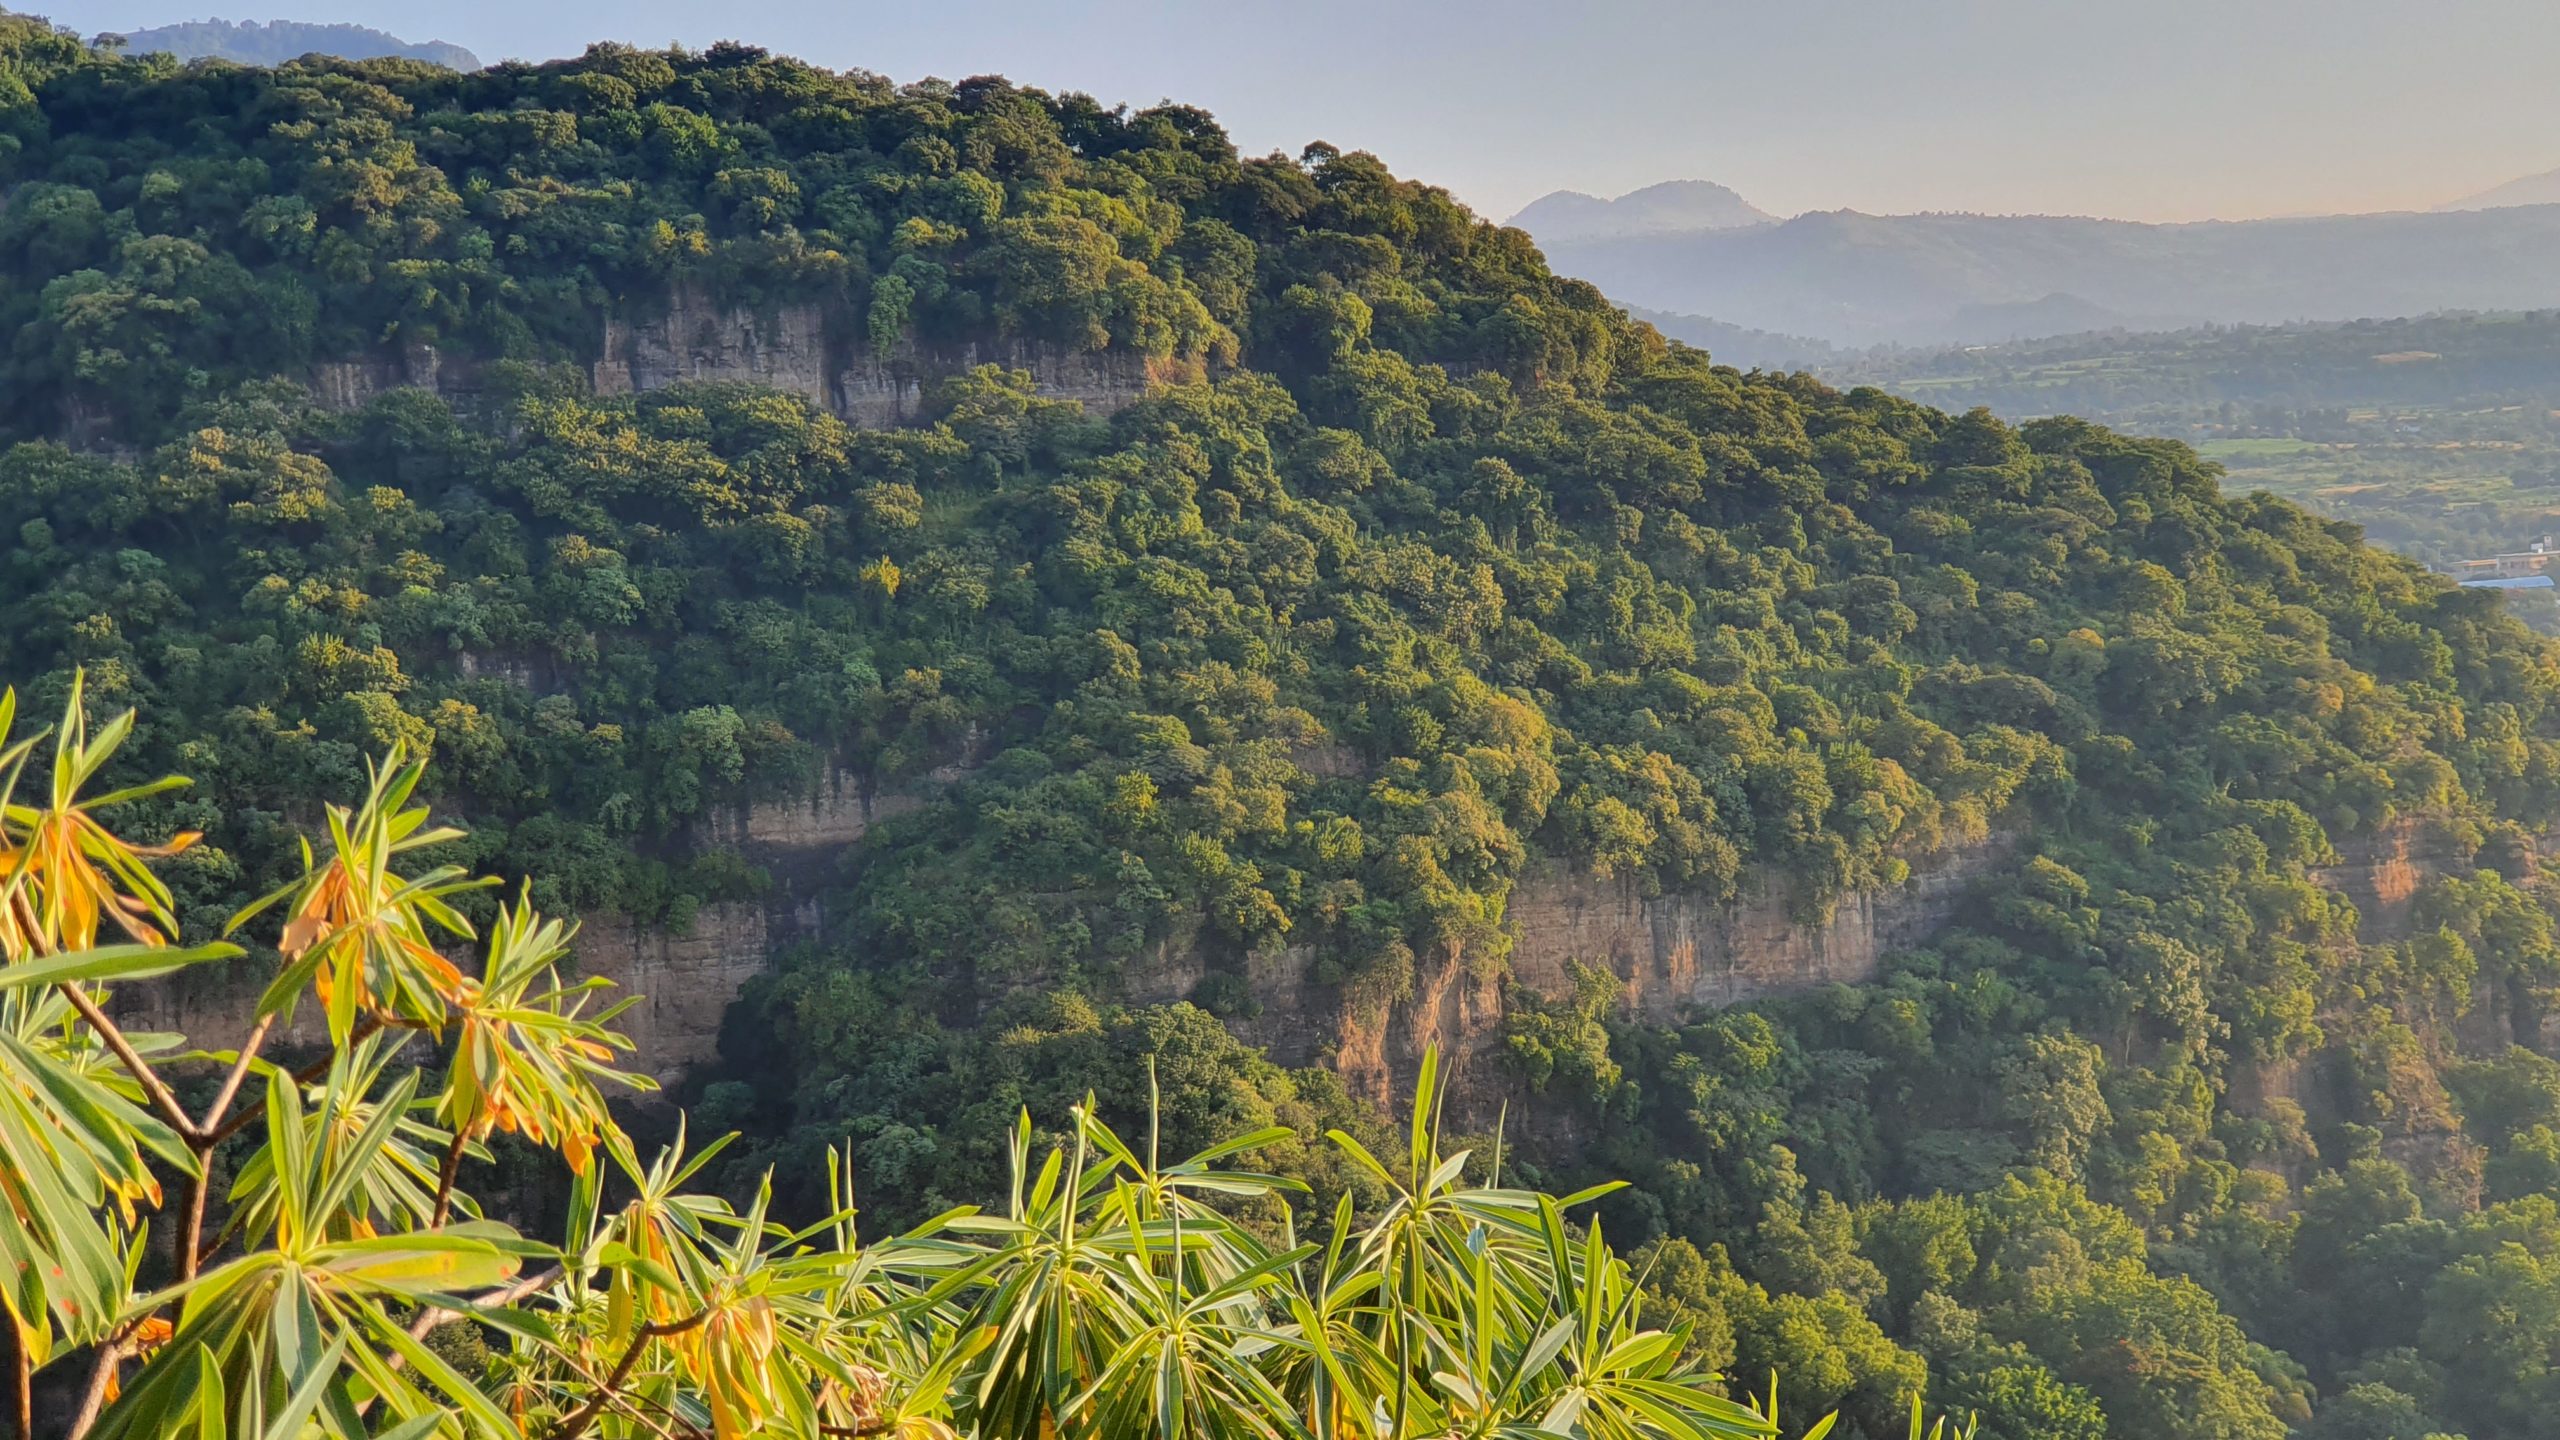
[2180, 110]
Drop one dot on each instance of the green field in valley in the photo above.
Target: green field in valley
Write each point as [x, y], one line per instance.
[2434, 433]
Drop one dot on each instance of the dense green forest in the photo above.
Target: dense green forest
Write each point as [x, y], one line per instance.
[1427, 567]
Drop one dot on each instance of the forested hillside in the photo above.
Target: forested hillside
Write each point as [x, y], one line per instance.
[1400, 570]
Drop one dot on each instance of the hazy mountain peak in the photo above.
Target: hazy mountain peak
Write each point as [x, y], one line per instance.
[274, 42]
[1668, 208]
[2542, 189]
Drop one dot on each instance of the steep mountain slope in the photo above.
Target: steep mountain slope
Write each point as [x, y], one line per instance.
[276, 41]
[1322, 631]
[1857, 279]
[1670, 207]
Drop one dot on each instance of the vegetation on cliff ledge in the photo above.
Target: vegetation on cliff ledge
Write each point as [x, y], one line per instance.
[1441, 568]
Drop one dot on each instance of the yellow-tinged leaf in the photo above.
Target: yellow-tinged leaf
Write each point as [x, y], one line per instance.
[412, 1264]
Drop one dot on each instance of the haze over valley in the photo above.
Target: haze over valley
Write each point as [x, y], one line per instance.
[1857, 280]
[2394, 369]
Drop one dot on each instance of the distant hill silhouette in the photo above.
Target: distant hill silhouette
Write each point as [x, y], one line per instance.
[1737, 345]
[1854, 279]
[2542, 189]
[273, 42]
[1674, 205]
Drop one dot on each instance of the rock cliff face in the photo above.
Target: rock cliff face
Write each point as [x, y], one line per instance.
[881, 392]
[2381, 873]
[1671, 953]
[348, 384]
[1675, 953]
[685, 977]
[836, 816]
[685, 980]
[784, 348]
[799, 348]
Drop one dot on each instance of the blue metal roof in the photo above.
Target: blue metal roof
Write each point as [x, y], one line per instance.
[2511, 582]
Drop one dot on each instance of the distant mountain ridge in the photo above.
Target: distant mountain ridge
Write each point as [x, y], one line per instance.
[2542, 189]
[1855, 280]
[1671, 207]
[1738, 345]
[274, 42]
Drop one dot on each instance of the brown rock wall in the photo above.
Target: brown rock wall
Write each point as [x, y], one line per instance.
[685, 980]
[792, 347]
[2380, 873]
[1671, 954]
[696, 338]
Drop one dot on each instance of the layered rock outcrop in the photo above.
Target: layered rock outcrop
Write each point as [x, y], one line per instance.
[800, 348]
[348, 384]
[685, 979]
[1672, 954]
[2380, 874]
[685, 976]
[696, 338]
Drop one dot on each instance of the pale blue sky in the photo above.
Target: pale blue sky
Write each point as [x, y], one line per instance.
[2151, 109]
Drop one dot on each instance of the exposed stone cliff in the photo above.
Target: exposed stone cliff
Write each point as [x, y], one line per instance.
[685, 976]
[797, 347]
[685, 980]
[696, 338]
[1672, 953]
[2381, 873]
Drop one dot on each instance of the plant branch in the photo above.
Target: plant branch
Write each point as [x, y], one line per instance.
[576, 1421]
[152, 1086]
[22, 1386]
[207, 1135]
[230, 1091]
[431, 1316]
[93, 1400]
[624, 1404]
[191, 1219]
[364, 1031]
[444, 1179]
